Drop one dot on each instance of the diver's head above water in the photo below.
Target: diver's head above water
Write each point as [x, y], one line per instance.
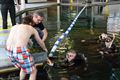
[70, 55]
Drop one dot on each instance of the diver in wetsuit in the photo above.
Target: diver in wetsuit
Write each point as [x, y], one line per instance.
[109, 50]
[72, 59]
[74, 63]
[108, 47]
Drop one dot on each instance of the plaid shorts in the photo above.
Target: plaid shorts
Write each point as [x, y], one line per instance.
[21, 58]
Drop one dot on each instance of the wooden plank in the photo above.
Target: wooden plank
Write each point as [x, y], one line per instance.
[12, 68]
[38, 57]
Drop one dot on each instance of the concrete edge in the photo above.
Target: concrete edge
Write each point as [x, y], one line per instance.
[10, 69]
[37, 7]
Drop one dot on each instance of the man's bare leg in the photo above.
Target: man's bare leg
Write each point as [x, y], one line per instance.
[33, 74]
[22, 75]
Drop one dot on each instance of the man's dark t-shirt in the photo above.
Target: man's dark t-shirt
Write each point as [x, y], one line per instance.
[39, 26]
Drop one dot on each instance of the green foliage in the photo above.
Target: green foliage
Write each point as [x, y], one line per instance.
[64, 45]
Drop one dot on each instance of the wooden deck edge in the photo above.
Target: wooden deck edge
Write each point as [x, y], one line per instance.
[35, 8]
[11, 69]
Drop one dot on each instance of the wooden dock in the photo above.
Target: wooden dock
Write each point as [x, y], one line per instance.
[39, 58]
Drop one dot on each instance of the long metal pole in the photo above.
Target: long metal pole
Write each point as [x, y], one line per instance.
[66, 33]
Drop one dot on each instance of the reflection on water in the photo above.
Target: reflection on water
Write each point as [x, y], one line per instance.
[82, 38]
[4, 61]
[3, 37]
[113, 21]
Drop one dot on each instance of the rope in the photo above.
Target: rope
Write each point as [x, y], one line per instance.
[65, 34]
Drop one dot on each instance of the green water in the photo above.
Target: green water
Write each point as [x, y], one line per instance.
[98, 68]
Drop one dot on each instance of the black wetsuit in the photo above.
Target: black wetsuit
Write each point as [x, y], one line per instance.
[112, 50]
[77, 62]
[72, 68]
[111, 55]
[8, 5]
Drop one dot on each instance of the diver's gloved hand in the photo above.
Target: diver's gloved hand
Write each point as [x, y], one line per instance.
[49, 62]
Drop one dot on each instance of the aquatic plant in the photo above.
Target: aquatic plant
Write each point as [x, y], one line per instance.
[65, 45]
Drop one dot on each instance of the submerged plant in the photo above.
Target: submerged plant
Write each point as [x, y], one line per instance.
[64, 45]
